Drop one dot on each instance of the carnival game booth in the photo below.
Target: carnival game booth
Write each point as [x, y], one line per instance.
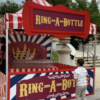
[32, 75]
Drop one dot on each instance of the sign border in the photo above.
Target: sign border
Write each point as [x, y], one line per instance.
[28, 24]
[20, 73]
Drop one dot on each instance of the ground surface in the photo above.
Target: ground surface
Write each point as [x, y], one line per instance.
[97, 77]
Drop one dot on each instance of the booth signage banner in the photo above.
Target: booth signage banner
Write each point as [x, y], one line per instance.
[58, 21]
[33, 86]
[46, 87]
[46, 20]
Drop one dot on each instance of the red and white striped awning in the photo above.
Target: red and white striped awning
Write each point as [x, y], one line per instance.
[93, 29]
[14, 20]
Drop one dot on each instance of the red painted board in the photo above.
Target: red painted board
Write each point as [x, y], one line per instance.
[46, 83]
[58, 21]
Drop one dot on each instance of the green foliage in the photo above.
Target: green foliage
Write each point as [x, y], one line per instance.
[55, 56]
[24, 2]
[1, 15]
[94, 13]
[64, 2]
[80, 5]
[98, 32]
[9, 7]
[92, 7]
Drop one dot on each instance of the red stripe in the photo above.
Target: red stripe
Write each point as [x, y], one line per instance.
[19, 21]
[10, 31]
[92, 28]
[49, 3]
[5, 21]
[38, 2]
[44, 2]
[10, 21]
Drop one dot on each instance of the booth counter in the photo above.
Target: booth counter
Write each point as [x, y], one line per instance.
[48, 84]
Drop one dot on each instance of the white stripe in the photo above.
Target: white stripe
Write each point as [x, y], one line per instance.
[41, 3]
[53, 99]
[17, 70]
[12, 70]
[92, 70]
[12, 92]
[18, 36]
[73, 94]
[34, 69]
[63, 97]
[48, 69]
[28, 77]
[87, 92]
[90, 32]
[67, 72]
[48, 55]
[72, 71]
[56, 72]
[9, 41]
[23, 70]
[49, 48]
[12, 37]
[39, 69]
[28, 69]
[35, 36]
[53, 68]
[29, 38]
[7, 17]
[94, 29]
[24, 37]
[22, 26]
[62, 72]
[91, 81]
[40, 39]
[47, 4]
[44, 69]
[20, 15]
[50, 73]
[15, 23]
[48, 41]
[12, 76]
[13, 89]
[43, 74]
